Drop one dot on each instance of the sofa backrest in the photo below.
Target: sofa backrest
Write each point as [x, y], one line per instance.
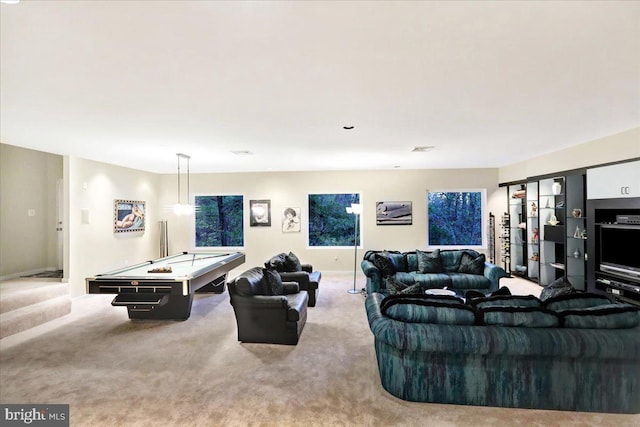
[450, 259]
[249, 283]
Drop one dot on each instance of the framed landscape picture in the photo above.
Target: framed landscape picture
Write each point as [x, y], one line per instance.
[260, 213]
[393, 213]
[128, 216]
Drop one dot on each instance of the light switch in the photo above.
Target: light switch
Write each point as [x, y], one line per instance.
[84, 216]
[31, 212]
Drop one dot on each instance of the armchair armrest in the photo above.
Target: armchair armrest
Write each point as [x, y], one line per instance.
[261, 301]
[291, 288]
[307, 267]
[300, 277]
[494, 273]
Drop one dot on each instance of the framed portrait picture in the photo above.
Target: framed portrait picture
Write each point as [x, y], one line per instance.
[291, 220]
[260, 213]
[128, 216]
[393, 213]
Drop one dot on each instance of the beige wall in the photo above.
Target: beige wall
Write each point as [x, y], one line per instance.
[292, 189]
[613, 148]
[94, 248]
[27, 182]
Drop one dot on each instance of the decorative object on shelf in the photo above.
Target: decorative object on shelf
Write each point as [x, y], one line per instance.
[535, 256]
[578, 233]
[548, 205]
[577, 213]
[553, 220]
[583, 235]
[521, 268]
[534, 209]
[556, 188]
[576, 253]
[536, 235]
[560, 204]
[519, 194]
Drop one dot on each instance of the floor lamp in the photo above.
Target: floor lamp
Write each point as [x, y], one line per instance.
[356, 210]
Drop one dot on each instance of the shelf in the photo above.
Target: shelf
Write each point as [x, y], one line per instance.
[557, 265]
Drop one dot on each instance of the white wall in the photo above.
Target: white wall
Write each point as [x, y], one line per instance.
[291, 189]
[613, 148]
[94, 248]
[27, 182]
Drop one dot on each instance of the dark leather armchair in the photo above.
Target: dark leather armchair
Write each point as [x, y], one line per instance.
[267, 309]
[292, 270]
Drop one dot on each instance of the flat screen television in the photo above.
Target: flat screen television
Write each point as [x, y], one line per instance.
[620, 250]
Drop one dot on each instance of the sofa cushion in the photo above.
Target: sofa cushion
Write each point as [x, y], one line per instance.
[291, 263]
[575, 300]
[605, 316]
[428, 310]
[251, 282]
[528, 317]
[471, 265]
[468, 281]
[429, 262]
[513, 301]
[432, 280]
[272, 282]
[384, 264]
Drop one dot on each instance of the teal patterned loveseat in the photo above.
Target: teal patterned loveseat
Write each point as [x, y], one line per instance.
[461, 270]
[576, 357]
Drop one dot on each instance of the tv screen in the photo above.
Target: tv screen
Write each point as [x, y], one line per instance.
[619, 248]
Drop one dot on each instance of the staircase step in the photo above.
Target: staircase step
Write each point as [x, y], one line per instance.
[30, 316]
[17, 294]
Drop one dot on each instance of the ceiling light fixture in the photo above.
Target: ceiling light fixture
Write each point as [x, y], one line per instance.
[10, 1]
[348, 127]
[242, 152]
[187, 208]
[422, 149]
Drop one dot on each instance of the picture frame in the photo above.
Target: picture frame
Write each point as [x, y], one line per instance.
[394, 213]
[291, 220]
[129, 216]
[260, 213]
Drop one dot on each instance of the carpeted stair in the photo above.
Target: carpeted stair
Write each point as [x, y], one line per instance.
[27, 303]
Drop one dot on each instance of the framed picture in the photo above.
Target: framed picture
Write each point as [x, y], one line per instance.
[393, 213]
[260, 213]
[291, 220]
[128, 216]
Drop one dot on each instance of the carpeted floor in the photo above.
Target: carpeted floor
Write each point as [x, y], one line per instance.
[116, 372]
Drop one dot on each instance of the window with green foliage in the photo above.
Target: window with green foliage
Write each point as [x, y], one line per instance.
[219, 221]
[455, 218]
[329, 222]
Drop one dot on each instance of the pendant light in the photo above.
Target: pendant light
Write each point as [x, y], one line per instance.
[186, 208]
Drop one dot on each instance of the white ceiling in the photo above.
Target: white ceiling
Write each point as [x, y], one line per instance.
[487, 83]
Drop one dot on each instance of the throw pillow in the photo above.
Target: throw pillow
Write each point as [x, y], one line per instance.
[556, 288]
[384, 264]
[276, 262]
[471, 265]
[273, 282]
[429, 262]
[394, 286]
[502, 291]
[292, 263]
[606, 316]
[413, 290]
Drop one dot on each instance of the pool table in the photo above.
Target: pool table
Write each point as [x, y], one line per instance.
[163, 288]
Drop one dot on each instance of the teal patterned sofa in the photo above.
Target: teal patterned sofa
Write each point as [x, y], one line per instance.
[459, 270]
[576, 353]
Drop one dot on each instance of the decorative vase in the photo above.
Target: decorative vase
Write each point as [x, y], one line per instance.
[556, 188]
[576, 253]
[577, 234]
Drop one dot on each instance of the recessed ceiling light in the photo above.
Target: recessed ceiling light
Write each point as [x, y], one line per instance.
[348, 127]
[423, 149]
[242, 152]
[10, 1]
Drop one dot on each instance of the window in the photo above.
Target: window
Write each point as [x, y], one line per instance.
[219, 221]
[455, 218]
[329, 222]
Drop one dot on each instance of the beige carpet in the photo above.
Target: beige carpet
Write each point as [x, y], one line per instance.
[117, 372]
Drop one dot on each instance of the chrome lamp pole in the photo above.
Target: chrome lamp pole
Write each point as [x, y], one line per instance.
[356, 210]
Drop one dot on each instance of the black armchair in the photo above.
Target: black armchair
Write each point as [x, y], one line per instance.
[267, 310]
[292, 270]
